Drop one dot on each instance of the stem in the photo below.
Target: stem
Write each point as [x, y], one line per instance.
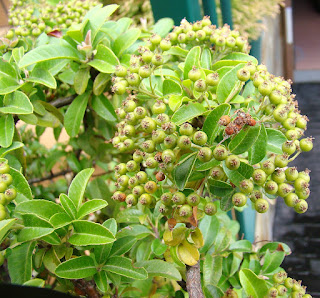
[37, 180]
[154, 228]
[294, 157]
[194, 281]
[61, 102]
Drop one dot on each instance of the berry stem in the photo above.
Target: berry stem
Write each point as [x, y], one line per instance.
[295, 156]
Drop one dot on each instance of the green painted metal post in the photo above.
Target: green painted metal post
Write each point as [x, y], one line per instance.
[210, 9]
[177, 10]
[226, 12]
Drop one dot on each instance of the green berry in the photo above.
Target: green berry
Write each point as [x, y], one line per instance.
[220, 153]
[138, 190]
[306, 144]
[305, 175]
[158, 136]
[246, 186]
[148, 124]
[150, 187]
[243, 74]
[271, 187]
[169, 127]
[185, 211]
[170, 142]
[2, 199]
[278, 176]
[120, 71]
[239, 199]
[3, 214]
[4, 167]
[288, 283]
[291, 199]
[281, 161]
[145, 71]
[217, 173]
[284, 189]
[168, 156]
[166, 198]
[200, 85]
[159, 107]
[301, 206]
[119, 88]
[280, 114]
[151, 163]
[186, 129]
[210, 208]
[121, 169]
[232, 162]
[268, 167]
[205, 154]
[141, 177]
[282, 290]
[300, 184]
[289, 147]
[184, 142]
[194, 74]
[200, 138]
[261, 205]
[162, 119]
[131, 200]
[178, 198]
[3, 186]
[145, 199]
[212, 79]
[291, 173]
[259, 176]
[273, 292]
[193, 199]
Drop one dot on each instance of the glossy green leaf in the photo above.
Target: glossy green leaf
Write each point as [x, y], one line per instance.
[272, 261]
[240, 57]
[241, 246]
[158, 248]
[42, 76]
[275, 246]
[51, 260]
[220, 188]
[237, 258]
[76, 268]
[206, 58]
[175, 102]
[53, 238]
[104, 108]
[90, 233]
[187, 112]
[129, 216]
[275, 140]
[50, 52]
[20, 262]
[177, 51]
[111, 225]
[192, 59]
[5, 226]
[12, 147]
[60, 220]
[100, 83]
[75, 113]
[160, 268]
[7, 71]
[204, 166]
[222, 63]
[78, 186]
[81, 80]
[236, 176]
[6, 130]
[101, 280]
[125, 40]
[171, 87]
[101, 252]
[259, 149]
[91, 206]
[211, 291]
[182, 171]
[211, 125]
[254, 286]
[244, 140]
[226, 202]
[21, 185]
[35, 282]
[68, 205]
[222, 239]
[123, 266]
[16, 103]
[42, 208]
[104, 60]
[212, 269]
[138, 231]
[209, 226]
[229, 84]
[163, 27]
[122, 245]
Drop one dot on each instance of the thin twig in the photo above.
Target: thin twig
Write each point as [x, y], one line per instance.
[49, 177]
[63, 101]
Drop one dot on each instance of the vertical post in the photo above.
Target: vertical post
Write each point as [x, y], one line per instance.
[256, 48]
[210, 9]
[226, 12]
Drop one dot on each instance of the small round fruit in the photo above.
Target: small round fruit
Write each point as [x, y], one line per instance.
[193, 199]
[239, 199]
[281, 161]
[291, 173]
[289, 147]
[200, 85]
[185, 211]
[210, 208]
[284, 189]
[150, 187]
[259, 176]
[168, 156]
[271, 187]
[255, 195]
[291, 199]
[212, 79]
[159, 107]
[261, 205]
[278, 176]
[3, 186]
[301, 206]
[146, 199]
[166, 198]
[232, 162]
[268, 167]
[2, 199]
[194, 74]
[246, 186]
[306, 144]
[205, 154]
[186, 129]
[3, 214]
[300, 184]
[243, 74]
[4, 168]
[272, 292]
[141, 177]
[131, 200]
[179, 198]
[220, 153]
[200, 138]
[217, 173]
[184, 142]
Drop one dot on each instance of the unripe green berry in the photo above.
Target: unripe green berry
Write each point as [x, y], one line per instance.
[291, 173]
[306, 144]
[170, 142]
[131, 200]
[232, 162]
[121, 169]
[281, 161]
[284, 189]
[6, 178]
[291, 200]
[148, 146]
[184, 142]
[246, 186]
[157, 60]
[168, 156]
[138, 190]
[210, 208]
[158, 136]
[141, 177]
[301, 206]
[271, 187]
[212, 79]
[178, 198]
[145, 71]
[148, 124]
[159, 107]
[300, 184]
[305, 175]
[186, 129]
[239, 199]
[259, 176]
[200, 138]
[205, 154]
[289, 147]
[151, 163]
[243, 74]
[185, 211]
[278, 176]
[268, 167]
[303, 194]
[194, 74]
[150, 187]
[146, 199]
[193, 199]
[120, 71]
[261, 205]
[3, 214]
[200, 85]
[169, 127]
[166, 198]
[220, 152]
[4, 167]
[217, 173]
[2, 199]
[3, 186]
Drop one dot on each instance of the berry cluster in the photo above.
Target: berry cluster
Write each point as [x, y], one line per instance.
[7, 192]
[26, 20]
[156, 145]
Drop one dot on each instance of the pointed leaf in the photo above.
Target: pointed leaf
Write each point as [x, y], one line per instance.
[125, 40]
[78, 187]
[42, 76]
[6, 130]
[90, 233]
[259, 149]
[236, 176]
[160, 268]
[241, 246]
[187, 112]
[123, 266]
[91, 207]
[105, 60]
[20, 262]
[254, 286]
[68, 206]
[104, 108]
[101, 280]
[211, 125]
[192, 59]
[21, 185]
[163, 27]
[220, 188]
[16, 103]
[272, 261]
[75, 113]
[275, 140]
[76, 268]
[5, 226]
[122, 245]
[183, 170]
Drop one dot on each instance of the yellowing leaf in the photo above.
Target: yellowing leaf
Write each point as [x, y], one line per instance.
[188, 253]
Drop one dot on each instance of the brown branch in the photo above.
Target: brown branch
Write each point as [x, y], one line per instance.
[53, 175]
[63, 101]
[194, 281]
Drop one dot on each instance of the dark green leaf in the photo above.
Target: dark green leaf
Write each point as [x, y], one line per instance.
[75, 113]
[220, 188]
[211, 291]
[81, 80]
[100, 278]
[6, 130]
[244, 140]
[138, 231]
[158, 248]
[100, 83]
[76, 268]
[122, 245]
[236, 176]
[254, 286]
[68, 206]
[226, 202]
[20, 262]
[104, 108]
[160, 268]
[188, 112]
[42, 76]
[204, 166]
[211, 125]
[259, 149]
[5, 226]
[183, 170]
[275, 140]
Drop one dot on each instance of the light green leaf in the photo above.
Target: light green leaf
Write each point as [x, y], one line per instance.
[52, 238]
[123, 266]
[171, 87]
[272, 261]
[206, 58]
[138, 231]
[16, 103]
[122, 245]
[91, 206]
[212, 269]
[192, 59]
[111, 225]
[228, 86]
[76, 268]
[7, 71]
[240, 57]
[158, 248]
[259, 149]
[60, 220]
[204, 166]
[236, 176]
[209, 226]
[100, 83]
[175, 102]
[42, 76]
[81, 80]
[241, 246]
[275, 140]
[12, 147]
[163, 27]
[104, 108]
[129, 216]
[125, 40]
[50, 52]
[75, 113]
[222, 63]
[5, 226]
[275, 246]
[254, 286]
[177, 51]
[17, 54]
[21, 185]
[101, 280]
[42, 208]
[20, 262]
[211, 291]
[104, 60]
[68, 205]
[160, 268]
[187, 112]
[211, 125]
[35, 282]
[6, 130]
[78, 186]
[90, 233]
[182, 171]
[244, 140]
